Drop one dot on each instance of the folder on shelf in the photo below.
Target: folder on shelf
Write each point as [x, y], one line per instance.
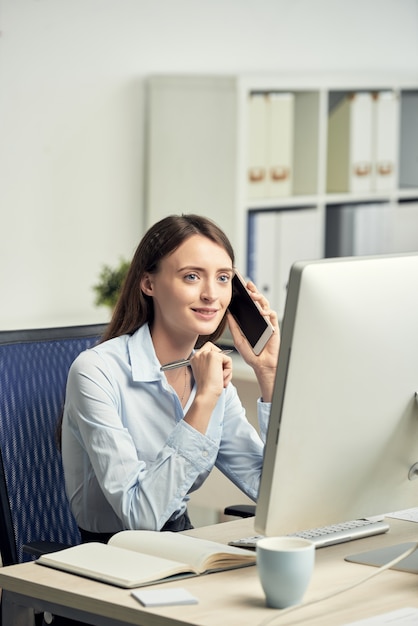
[270, 144]
[262, 251]
[405, 227]
[359, 229]
[372, 229]
[385, 140]
[280, 238]
[280, 120]
[350, 151]
[408, 166]
[257, 145]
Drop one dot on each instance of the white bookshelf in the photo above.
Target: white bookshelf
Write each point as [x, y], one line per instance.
[198, 159]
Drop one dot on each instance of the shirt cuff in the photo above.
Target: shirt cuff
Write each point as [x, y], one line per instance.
[263, 413]
[198, 449]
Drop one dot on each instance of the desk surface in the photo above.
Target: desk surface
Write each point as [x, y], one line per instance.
[231, 597]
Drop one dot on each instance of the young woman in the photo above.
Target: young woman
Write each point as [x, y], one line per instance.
[136, 441]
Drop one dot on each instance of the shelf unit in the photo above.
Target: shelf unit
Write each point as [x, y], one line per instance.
[198, 157]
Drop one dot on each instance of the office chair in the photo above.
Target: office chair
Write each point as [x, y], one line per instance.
[240, 510]
[35, 516]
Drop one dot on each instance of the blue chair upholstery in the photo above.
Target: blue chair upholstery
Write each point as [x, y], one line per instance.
[33, 371]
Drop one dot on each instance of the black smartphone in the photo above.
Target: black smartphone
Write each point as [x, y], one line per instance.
[256, 328]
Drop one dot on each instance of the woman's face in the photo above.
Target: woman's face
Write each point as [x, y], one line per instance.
[192, 288]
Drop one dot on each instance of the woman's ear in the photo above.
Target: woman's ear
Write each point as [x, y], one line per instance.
[146, 285]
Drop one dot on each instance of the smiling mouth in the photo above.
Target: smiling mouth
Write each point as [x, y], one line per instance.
[206, 311]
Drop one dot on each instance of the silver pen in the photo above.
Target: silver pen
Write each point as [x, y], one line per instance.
[184, 362]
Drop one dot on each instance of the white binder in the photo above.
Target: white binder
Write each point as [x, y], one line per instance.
[359, 229]
[257, 145]
[280, 133]
[280, 238]
[372, 229]
[262, 255]
[405, 228]
[350, 153]
[385, 140]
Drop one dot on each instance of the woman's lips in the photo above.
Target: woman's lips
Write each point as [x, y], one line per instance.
[206, 313]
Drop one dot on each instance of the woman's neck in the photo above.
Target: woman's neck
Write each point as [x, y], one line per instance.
[168, 350]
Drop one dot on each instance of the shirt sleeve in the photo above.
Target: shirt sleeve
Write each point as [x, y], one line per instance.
[241, 451]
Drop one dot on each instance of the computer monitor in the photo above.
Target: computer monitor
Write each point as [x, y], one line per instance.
[342, 442]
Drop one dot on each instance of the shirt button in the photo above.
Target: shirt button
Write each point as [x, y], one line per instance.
[204, 453]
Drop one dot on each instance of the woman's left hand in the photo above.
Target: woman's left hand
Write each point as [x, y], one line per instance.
[265, 364]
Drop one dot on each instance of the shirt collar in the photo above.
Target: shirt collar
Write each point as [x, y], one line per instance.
[144, 362]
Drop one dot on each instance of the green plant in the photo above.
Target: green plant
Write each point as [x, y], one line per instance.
[110, 283]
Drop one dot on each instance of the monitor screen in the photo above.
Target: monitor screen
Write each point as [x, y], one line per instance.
[342, 442]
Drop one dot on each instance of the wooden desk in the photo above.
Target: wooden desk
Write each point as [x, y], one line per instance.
[230, 598]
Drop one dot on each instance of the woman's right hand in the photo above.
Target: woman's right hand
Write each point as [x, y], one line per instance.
[212, 371]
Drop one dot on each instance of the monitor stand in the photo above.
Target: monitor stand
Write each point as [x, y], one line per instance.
[381, 556]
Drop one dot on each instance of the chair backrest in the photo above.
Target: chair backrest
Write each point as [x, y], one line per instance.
[33, 371]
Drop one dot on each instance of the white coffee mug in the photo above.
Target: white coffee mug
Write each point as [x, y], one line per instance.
[285, 566]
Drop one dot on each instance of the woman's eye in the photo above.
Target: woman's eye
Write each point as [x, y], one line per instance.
[224, 278]
[191, 277]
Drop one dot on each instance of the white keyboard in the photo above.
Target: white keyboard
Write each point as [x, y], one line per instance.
[328, 535]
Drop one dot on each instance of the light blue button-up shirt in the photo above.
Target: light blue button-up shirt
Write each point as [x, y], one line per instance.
[130, 460]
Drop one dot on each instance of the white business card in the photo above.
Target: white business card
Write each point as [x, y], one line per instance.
[164, 597]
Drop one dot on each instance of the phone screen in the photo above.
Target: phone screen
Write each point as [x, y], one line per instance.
[256, 328]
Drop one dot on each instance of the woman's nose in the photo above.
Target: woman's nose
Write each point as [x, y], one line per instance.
[208, 292]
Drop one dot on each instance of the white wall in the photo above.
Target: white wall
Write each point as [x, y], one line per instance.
[72, 116]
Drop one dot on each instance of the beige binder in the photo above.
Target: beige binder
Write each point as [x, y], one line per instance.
[385, 140]
[349, 159]
[257, 145]
[280, 133]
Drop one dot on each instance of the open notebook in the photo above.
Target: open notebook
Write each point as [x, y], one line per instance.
[134, 558]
